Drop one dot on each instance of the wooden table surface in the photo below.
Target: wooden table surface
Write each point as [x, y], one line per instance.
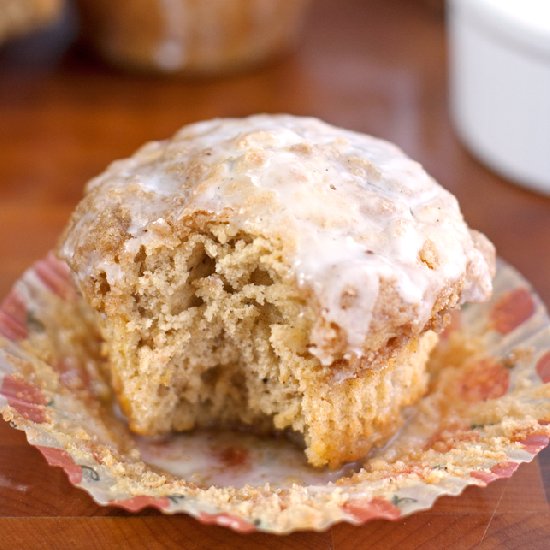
[377, 66]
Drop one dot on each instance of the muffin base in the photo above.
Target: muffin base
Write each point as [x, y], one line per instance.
[215, 333]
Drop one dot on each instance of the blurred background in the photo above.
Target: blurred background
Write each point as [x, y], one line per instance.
[85, 82]
[80, 88]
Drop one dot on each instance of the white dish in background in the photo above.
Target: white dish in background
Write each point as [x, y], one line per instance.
[500, 85]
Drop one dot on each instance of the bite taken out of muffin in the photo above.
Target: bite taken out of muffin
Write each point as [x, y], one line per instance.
[273, 272]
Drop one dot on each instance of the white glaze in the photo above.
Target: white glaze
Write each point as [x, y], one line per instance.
[353, 209]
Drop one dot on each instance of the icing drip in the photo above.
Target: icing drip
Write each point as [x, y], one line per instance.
[354, 210]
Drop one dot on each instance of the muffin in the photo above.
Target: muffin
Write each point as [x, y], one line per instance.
[21, 16]
[273, 272]
[193, 36]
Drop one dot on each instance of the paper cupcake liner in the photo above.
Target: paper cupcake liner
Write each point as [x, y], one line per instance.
[487, 410]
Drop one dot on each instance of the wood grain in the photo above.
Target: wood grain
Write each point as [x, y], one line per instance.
[377, 66]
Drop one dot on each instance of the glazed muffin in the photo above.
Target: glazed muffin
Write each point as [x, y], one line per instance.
[21, 16]
[192, 36]
[273, 272]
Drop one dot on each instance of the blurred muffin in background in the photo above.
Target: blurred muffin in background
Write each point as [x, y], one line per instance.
[191, 36]
[18, 17]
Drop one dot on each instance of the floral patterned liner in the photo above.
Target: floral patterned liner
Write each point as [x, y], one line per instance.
[486, 412]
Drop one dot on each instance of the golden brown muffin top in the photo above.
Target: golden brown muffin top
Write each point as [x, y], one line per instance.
[353, 211]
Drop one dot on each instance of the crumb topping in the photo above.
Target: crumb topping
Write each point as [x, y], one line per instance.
[353, 211]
